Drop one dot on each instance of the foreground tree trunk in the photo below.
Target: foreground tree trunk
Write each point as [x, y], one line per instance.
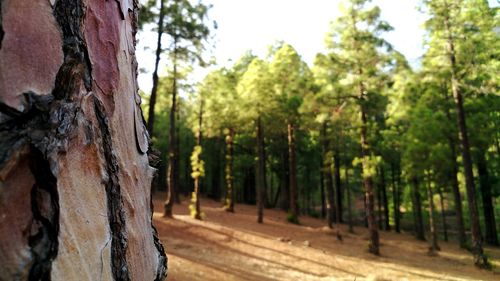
[294, 208]
[71, 137]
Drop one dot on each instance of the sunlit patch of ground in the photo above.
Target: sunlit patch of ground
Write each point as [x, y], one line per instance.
[228, 246]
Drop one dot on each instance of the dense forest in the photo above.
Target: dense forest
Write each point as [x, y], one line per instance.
[359, 137]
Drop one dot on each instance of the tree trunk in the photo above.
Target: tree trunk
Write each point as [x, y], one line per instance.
[285, 179]
[385, 202]
[379, 206]
[480, 258]
[171, 177]
[443, 215]
[229, 202]
[488, 210]
[327, 170]
[349, 202]
[152, 98]
[432, 222]
[338, 186]
[71, 134]
[197, 180]
[395, 200]
[261, 172]
[417, 210]
[177, 160]
[294, 210]
[322, 190]
[368, 183]
[216, 177]
[462, 240]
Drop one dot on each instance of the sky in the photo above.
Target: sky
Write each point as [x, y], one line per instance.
[255, 24]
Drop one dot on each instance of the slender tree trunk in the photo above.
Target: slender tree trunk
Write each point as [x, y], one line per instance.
[462, 240]
[197, 180]
[216, 178]
[327, 170]
[417, 210]
[379, 205]
[349, 202]
[432, 222]
[261, 167]
[294, 210]
[443, 215]
[395, 199]
[386, 224]
[171, 184]
[177, 171]
[488, 210]
[368, 181]
[71, 134]
[322, 189]
[480, 258]
[229, 202]
[338, 186]
[285, 178]
[277, 195]
[152, 99]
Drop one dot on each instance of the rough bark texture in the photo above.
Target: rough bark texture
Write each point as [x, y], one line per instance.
[75, 180]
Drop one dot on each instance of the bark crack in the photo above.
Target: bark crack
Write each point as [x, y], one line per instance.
[116, 214]
[2, 33]
[43, 239]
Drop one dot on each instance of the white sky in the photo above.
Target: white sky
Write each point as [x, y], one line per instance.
[256, 24]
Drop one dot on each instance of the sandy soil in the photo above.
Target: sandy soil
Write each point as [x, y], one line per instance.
[227, 246]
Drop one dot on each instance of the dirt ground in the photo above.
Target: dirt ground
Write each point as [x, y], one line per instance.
[232, 246]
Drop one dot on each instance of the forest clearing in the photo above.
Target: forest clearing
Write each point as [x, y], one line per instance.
[233, 246]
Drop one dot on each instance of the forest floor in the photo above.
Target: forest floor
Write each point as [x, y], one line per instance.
[232, 246]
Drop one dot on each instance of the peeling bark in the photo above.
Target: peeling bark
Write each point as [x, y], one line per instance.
[67, 143]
